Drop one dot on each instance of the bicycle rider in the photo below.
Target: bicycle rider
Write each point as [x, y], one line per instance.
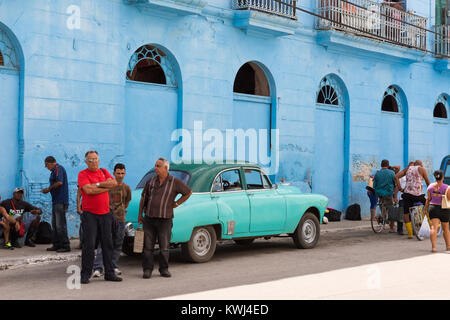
[384, 185]
[412, 193]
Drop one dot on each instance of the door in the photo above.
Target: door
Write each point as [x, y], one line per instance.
[267, 207]
[328, 175]
[151, 117]
[441, 142]
[9, 106]
[392, 138]
[252, 113]
[232, 201]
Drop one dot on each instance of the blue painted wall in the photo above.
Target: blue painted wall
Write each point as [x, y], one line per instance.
[76, 97]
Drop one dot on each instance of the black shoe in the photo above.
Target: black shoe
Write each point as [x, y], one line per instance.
[113, 278]
[30, 243]
[52, 248]
[165, 273]
[147, 274]
[63, 250]
[84, 281]
[16, 244]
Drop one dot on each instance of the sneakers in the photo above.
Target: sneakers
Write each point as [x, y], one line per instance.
[117, 271]
[8, 246]
[97, 274]
[16, 244]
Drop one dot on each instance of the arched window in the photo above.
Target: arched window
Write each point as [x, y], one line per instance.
[2, 63]
[439, 111]
[440, 108]
[329, 93]
[391, 100]
[251, 79]
[152, 65]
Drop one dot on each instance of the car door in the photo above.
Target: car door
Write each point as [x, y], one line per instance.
[267, 206]
[232, 202]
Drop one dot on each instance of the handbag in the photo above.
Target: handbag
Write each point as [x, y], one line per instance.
[445, 202]
[138, 246]
[395, 214]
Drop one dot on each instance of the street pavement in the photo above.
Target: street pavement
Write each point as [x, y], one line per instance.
[13, 259]
[349, 262]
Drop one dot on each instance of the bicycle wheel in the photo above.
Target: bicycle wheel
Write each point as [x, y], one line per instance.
[416, 221]
[378, 225]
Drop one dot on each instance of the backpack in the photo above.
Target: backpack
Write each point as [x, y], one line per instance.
[333, 214]
[44, 233]
[353, 212]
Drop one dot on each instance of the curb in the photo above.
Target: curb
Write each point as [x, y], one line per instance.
[37, 260]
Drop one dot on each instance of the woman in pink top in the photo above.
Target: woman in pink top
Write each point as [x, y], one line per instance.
[436, 191]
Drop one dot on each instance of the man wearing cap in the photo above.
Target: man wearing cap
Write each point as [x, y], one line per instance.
[59, 189]
[15, 209]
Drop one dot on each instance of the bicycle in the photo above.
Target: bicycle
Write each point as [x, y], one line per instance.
[381, 219]
[417, 215]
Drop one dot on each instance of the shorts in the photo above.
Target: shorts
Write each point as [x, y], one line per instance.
[388, 201]
[436, 212]
[409, 200]
[373, 199]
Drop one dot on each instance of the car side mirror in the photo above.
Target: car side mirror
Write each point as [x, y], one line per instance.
[217, 187]
[275, 186]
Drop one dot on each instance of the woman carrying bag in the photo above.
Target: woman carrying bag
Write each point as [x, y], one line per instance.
[437, 206]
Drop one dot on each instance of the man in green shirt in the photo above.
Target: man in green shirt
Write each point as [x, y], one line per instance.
[384, 185]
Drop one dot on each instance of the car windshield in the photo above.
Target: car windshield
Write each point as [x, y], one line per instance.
[182, 175]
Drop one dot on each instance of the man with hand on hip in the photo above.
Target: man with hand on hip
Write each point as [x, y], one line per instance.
[158, 202]
[96, 217]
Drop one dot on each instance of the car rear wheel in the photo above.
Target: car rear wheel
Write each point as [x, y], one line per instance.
[202, 245]
[307, 233]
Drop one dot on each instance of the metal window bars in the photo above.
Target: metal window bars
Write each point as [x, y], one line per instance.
[285, 8]
[442, 41]
[368, 18]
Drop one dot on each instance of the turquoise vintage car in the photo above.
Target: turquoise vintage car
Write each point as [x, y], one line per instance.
[233, 202]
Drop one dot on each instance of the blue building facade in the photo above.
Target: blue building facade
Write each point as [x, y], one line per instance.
[335, 84]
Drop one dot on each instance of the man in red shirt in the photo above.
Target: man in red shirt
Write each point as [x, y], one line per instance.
[96, 218]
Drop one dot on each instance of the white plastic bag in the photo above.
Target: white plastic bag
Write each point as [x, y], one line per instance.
[424, 231]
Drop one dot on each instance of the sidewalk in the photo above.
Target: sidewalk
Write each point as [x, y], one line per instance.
[11, 259]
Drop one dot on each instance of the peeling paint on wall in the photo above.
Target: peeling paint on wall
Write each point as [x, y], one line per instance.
[361, 169]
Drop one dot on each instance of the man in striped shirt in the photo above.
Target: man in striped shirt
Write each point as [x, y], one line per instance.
[158, 202]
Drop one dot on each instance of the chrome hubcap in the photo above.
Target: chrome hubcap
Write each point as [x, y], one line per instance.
[309, 231]
[202, 242]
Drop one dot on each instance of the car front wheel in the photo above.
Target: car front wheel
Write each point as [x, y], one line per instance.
[201, 246]
[307, 233]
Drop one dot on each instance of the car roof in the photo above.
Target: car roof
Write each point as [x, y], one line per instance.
[203, 174]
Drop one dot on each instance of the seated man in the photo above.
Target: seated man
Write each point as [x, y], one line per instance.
[6, 221]
[15, 209]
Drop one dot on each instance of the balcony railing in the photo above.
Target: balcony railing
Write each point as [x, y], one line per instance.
[284, 8]
[442, 41]
[372, 19]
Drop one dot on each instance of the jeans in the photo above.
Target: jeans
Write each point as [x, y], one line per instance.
[117, 237]
[96, 226]
[59, 226]
[161, 229]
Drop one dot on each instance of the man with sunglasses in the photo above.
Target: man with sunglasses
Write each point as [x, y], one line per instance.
[94, 183]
